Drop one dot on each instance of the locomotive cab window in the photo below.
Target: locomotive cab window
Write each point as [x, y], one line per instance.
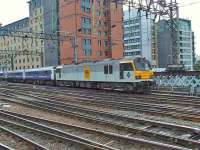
[125, 67]
[142, 64]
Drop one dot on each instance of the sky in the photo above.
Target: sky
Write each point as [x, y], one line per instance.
[13, 10]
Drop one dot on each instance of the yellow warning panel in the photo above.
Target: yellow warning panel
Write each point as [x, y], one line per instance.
[87, 73]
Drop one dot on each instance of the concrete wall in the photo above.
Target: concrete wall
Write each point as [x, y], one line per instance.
[164, 49]
[51, 49]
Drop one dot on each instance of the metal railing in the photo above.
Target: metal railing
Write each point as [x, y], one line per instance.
[191, 83]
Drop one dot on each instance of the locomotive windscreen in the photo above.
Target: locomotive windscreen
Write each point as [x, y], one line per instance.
[142, 64]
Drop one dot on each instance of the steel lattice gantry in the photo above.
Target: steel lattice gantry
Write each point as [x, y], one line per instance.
[161, 9]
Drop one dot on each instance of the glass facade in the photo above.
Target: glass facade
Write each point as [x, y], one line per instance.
[139, 36]
[185, 42]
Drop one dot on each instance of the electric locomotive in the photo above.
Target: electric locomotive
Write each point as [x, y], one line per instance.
[129, 74]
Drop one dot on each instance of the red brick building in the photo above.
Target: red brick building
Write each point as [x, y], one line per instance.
[97, 26]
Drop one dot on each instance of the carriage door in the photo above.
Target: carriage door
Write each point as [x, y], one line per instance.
[126, 71]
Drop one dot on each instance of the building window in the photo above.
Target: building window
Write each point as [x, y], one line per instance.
[106, 43]
[99, 53]
[87, 52]
[99, 33]
[99, 42]
[85, 6]
[86, 25]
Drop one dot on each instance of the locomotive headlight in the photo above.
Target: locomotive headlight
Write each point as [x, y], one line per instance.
[137, 77]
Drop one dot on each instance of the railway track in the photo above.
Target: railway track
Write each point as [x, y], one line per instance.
[155, 105]
[13, 123]
[95, 93]
[64, 90]
[4, 147]
[160, 106]
[16, 141]
[160, 130]
[115, 140]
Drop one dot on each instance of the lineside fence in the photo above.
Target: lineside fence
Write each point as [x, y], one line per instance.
[178, 83]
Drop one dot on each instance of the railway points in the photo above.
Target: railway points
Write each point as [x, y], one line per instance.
[106, 117]
[100, 75]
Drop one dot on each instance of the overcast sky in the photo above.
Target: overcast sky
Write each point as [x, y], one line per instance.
[13, 10]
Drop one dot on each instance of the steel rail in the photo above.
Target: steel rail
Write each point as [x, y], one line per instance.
[34, 144]
[4, 147]
[175, 112]
[102, 93]
[146, 107]
[145, 132]
[128, 103]
[150, 98]
[88, 130]
[24, 123]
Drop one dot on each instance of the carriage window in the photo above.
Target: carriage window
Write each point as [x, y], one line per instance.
[106, 69]
[110, 69]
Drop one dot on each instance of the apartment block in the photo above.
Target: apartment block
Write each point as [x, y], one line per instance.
[185, 44]
[21, 52]
[16, 52]
[95, 27]
[140, 36]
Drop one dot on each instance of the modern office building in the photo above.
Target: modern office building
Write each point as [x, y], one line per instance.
[193, 49]
[95, 28]
[185, 44]
[140, 37]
